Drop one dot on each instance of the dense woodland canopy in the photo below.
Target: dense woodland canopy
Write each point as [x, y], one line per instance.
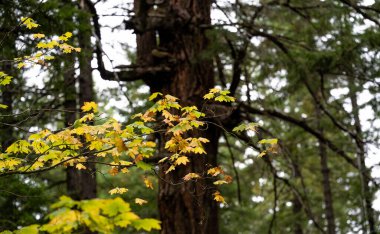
[304, 72]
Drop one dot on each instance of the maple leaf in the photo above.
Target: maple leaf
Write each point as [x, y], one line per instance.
[96, 145]
[140, 201]
[118, 190]
[120, 146]
[163, 160]
[21, 65]
[124, 170]
[80, 166]
[5, 79]
[228, 178]
[49, 57]
[218, 197]
[170, 98]
[68, 34]
[209, 96]
[239, 128]
[88, 106]
[87, 117]
[199, 150]
[219, 182]
[262, 154]
[203, 140]
[191, 176]
[113, 171]
[148, 183]
[39, 147]
[223, 98]
[146, 224]
[171, 168]
[182, 160]
[38, 35]
[29, 22]
[215, 90]
[214, 171]
[154, 95]
[268, 141]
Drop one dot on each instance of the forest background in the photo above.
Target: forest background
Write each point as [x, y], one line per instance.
[306, 71]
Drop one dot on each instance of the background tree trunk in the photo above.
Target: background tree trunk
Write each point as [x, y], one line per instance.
[325, 171]
[187, 207]
[367, 197]
[81, 184]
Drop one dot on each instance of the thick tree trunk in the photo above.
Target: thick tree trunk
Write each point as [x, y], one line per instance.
[364, 173]
[81, 184]
[327, 194]
[186, 207]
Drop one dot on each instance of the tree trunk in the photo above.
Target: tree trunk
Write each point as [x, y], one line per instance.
[297, 205]
[81, 184]
[364, 173]
[327, 194]
[7, 52]
[186, 207]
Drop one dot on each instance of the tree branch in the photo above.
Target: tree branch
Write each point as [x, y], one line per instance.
[303, 125]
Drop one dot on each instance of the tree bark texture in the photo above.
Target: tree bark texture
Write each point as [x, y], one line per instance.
[184, 207]
[364, 173]
[297, 205]
[325, 171]
[81, 184]
[7, 52]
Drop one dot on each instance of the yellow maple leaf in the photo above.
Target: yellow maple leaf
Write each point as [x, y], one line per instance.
[171, 168]
[124, 170]
[68, 34]
[182, 160]
[140, 201]
[262, 154]
[148, 183]
[38, 35]
[29, 22]
[219, 182]
[88, 106]
[163, 160]
[214, 171]
[87, 117]
[118, 190]
[218, 197]
[120, 146]
[37, 165]
[191, 176]
[21, 65]
[268, 141]
[215, 90]
[80, 166]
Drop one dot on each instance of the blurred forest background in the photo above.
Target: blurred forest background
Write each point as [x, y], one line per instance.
[307, 71]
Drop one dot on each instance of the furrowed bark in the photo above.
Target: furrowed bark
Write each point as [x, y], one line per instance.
[325, 171]
[81, 184]
[186, 207]
[364, 173]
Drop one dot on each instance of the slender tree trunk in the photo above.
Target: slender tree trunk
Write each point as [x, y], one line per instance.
[297, 205]
[187, 207]
[81, 184]
[327, 194]
[364, 173]
[6, 131]
[7, 52]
